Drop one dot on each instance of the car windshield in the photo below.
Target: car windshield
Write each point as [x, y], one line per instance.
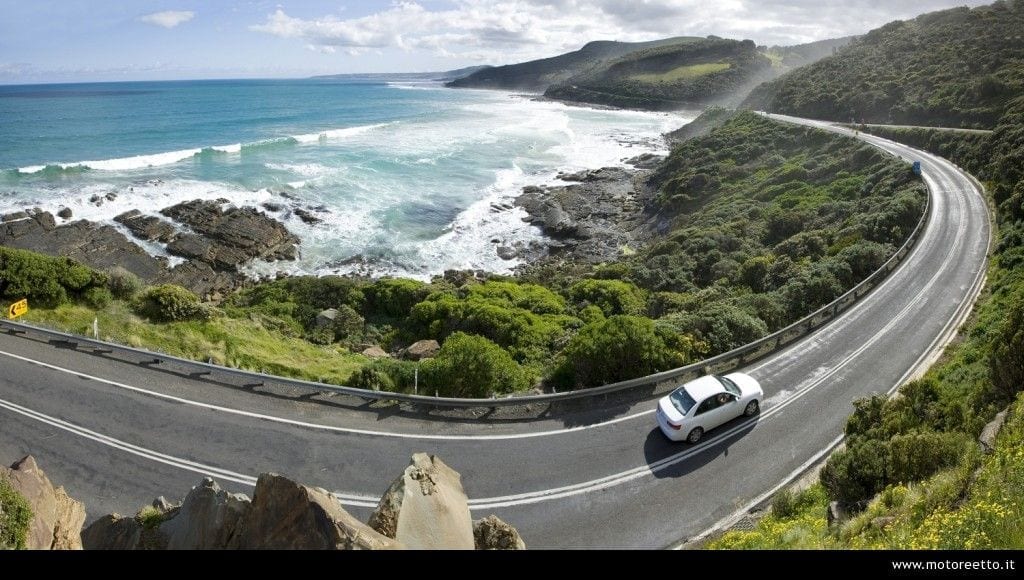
[682, 401]
[729, 386]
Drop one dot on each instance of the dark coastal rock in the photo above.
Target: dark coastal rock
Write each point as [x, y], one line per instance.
[229, 238]
[202, 279]
[646, 161]
[148, 228]
[99, 247]
[14, 216]
[533, 189]
[592, 220]
[507, 253]
[65, 213]
[273, 207]
[307, 217]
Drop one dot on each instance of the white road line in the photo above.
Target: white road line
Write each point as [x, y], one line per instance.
[319, 426]
[185, 464]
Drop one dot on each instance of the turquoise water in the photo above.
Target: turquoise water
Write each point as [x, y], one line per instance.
[406, 177]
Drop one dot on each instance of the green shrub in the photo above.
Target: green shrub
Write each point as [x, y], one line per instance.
[98, 297]
[394, 297]
[531, 297]
[1007, 362]
[613, 297]
[722, 326]
[122, 283]
[387, 375]
[854, 475]
[50, 281]
[170, 303]
[348, 325]
[472, 366]
[15, 517]
[616, 349]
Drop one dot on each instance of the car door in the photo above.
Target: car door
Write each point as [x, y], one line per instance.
[704, 417]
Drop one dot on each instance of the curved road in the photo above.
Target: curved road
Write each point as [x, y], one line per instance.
[117, 435]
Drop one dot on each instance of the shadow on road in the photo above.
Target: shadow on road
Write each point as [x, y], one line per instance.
[669, 459]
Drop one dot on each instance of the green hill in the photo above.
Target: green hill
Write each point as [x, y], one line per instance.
[674, 76]
[953, 68]
[673, 73]
[538, 75]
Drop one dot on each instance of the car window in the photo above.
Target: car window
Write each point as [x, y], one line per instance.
[708, 405]
[729, 385]
[682, 401]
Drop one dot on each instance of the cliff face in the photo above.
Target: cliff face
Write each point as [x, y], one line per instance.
[425, 508]
[57, 519]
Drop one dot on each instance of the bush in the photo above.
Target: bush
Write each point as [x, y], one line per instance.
[15, 517]
[613, 297]
[50, 281]
[854, 475]
[722, 326]
[122, 283]
[170, 303]
[387, 375]
[472, 366]
[1007, 362]
[616, 349]
[348, 325]
[98, 297]
[394, 298]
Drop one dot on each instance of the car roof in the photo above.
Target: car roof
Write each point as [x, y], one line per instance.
[704, 387]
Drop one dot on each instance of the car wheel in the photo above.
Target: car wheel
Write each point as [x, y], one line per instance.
[752, 409]
[695, 435]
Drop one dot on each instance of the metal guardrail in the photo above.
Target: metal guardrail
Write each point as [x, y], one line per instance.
[718, 364]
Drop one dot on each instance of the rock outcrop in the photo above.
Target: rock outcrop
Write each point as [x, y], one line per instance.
[226, 239]
[491, 533]
[286, 515]
[591, 219]
[56, 518]
[147, 228]
[426, 508]
[99, 247]
[206, 520]
[988, 436]
[421, 350]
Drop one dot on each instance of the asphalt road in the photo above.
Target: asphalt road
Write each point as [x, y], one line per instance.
[118, 435]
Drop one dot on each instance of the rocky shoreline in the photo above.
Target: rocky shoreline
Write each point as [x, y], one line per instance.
[598, 216]
[213, 240]
[589, 217]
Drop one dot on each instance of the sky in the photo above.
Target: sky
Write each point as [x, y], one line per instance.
[45, 41]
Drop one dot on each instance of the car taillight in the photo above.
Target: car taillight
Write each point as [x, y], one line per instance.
[674, 426]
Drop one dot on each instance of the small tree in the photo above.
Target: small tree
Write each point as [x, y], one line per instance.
[170, 303]
[616, 349]
[472, 366]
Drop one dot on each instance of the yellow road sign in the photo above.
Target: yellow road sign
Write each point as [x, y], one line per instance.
[17, 309]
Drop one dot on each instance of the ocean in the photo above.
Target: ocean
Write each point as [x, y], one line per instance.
[410, 179]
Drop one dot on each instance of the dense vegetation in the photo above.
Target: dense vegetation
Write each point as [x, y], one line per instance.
[538, 75]
[953, 68]
[669, 77]
[15, 517]
[912, 458]
[759, 223]
[665, 74]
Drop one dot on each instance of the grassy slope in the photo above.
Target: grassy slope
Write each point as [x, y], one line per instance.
[952, 68]
[979, 504]
[237, 342]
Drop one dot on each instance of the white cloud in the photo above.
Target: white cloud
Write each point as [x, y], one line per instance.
[509, 30]
[168, 19]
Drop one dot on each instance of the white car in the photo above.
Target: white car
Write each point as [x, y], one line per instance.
[701, 405]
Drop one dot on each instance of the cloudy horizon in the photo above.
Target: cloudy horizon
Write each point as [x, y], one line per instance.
[75, 40]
